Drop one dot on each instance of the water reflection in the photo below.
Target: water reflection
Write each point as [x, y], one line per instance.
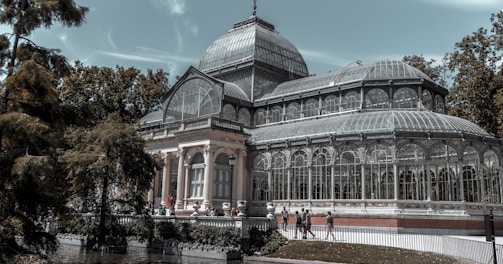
[75, 254]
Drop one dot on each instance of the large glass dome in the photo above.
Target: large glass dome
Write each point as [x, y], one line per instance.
[253, 40]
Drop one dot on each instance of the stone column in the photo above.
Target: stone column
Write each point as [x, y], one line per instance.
[208, 175]
[396, 183]
[166, 178]
[310, 180]
[186, 192]
[240, 176]
[364, 188]
[181, 185]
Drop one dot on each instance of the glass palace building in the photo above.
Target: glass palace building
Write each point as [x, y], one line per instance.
[371, 142]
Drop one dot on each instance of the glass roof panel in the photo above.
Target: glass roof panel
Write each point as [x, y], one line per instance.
[386, 69]
[369, 122]
[253, 41]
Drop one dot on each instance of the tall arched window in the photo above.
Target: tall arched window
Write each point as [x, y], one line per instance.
[260, 190]
[197, 176]
[412, 177]
[445, 182]
[492, 184]
[379, 159]
[321, 175]
[348, 175]
[300, 176]
[471, 184]
[279, 177]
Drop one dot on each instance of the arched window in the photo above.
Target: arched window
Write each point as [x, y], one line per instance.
[412, 177]
[379, 159]
[427, 100]
[197, 176]
[321, 175]
[376, 99]
[311, 107]
[405, 98]
[445, 182]
[471, 184]
[279, 177]
[196, 97]
[492, 184]
[348, 175]
[439, 104]
[260, 190]
[351, 101]
[331, 104]
[293, 111]
[229, 112]
[244, 116]
[260, 117]
[300, 176]
[276, 114]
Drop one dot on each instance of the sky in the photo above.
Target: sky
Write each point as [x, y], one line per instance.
[330, 34]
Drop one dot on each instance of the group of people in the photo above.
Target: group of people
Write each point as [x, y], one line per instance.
[303, 223]
[215, 212]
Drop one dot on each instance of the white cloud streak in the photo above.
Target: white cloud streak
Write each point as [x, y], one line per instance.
[469, 4]
[174, 7]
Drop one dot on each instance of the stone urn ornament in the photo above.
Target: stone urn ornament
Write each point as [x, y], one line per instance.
[270, 210]
[226, 206]
[242, 204]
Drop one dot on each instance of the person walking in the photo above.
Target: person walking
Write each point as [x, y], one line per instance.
[307, 224]
[330, 226]
[303, 217]
[298, 224]
[284, 216]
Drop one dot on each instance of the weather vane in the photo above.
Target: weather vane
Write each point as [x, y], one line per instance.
[254, 7]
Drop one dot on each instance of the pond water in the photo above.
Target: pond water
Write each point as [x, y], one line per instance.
[76, 254]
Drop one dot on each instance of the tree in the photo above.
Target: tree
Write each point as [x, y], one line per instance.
[89, 94]
[109, 158]
[476, 91]
[30, 184]
[436, 72]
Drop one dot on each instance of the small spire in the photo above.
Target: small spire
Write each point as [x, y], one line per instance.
[254, 7]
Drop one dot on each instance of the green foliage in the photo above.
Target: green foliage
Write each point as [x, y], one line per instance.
[89, 94]
[32, 188]
[476, 91]
[265, 242]
[142, 228]
[199, 234]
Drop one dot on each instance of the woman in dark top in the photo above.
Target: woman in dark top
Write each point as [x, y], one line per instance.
[330, 226]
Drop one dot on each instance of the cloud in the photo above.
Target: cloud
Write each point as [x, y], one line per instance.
[111, 40]
[174, 7]
[149, 55]
[469, 4]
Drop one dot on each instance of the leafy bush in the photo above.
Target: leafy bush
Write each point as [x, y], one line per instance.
[265, 242]
[199, 234]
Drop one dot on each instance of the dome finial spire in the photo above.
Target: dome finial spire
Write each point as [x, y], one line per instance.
[254, 7]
